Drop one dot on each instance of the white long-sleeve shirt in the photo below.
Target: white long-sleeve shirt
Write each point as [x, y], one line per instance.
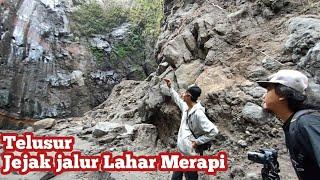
[201, 126]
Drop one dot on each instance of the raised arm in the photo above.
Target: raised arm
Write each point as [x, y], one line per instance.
[175, 96]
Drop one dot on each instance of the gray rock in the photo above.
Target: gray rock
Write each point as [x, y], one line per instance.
[189, 40]
[4, 97]
[237, 171]
[104, 128]
[121, 32]
[313, 95]
[252, 176]
[176, 52]
[271, 64]
[242, 143]
[186, 74]
[145, 135]
[239, 13]
[29, 129]
[66, 79]
[304, 34]
[100, 42]
[255, 72]
[254, 113]
[107, 139]
[154, 98]
[311, 62]
[162, 67]
[274, 5]
[256, 92]
[44, 124]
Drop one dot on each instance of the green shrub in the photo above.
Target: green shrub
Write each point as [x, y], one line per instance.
[91, 18]
[99, 54]
[144, 16]
[147, 14]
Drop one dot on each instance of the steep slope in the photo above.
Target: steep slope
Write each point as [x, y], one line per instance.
[47, 70]
[224, 47]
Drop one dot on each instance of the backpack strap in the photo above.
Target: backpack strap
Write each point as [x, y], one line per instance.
[300, 113]
[188, 120]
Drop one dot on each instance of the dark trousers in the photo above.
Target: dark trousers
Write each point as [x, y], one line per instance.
[192, 175]
[189, 175]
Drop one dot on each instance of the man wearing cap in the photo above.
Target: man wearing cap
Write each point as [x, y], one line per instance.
[195, 130]
[286, 93]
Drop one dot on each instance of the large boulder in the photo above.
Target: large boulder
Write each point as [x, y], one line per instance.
[311, 62]
[304, 35]
[254, 113]
[44, 124]
[145, 135]
[104, 128]
[186, 74]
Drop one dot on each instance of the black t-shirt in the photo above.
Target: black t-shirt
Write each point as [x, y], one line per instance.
[303, 142]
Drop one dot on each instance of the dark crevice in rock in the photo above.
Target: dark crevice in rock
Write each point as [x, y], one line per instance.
[165, 124]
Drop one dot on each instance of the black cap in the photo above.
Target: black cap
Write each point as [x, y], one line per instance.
[195, 91]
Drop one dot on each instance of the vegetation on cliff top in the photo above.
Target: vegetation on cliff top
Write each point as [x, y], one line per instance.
[101, 17]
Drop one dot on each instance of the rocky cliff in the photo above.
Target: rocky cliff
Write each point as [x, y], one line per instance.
[46, 70]
[224, 47]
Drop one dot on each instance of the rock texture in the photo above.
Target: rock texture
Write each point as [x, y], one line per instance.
[46, 70]
[224, 47]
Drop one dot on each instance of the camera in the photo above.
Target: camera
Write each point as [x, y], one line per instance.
[264, 156]
[267, 157]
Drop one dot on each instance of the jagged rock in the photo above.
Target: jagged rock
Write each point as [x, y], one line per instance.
[145, 135]
[100, 42]
[275, 5]
[107, 139]
[104, 128]
[176, 52]
[190, 40]
[271, 64]
[256, 92]
[256, 72]
[254, 113]
[77, 78]
[44, 124]
[304, 35]
[311, 62]
[186, 74]
[162, 67]
[313, 95]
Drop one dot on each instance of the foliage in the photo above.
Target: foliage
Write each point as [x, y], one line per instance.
[98, 54]
[91, 18]
[147, 14]
[144, 16]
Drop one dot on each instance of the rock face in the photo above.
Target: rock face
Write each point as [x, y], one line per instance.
[224, 47]
[304, 43]
[46, 70]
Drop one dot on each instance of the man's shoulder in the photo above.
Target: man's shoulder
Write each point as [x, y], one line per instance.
[309, 119]
[199, 112]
